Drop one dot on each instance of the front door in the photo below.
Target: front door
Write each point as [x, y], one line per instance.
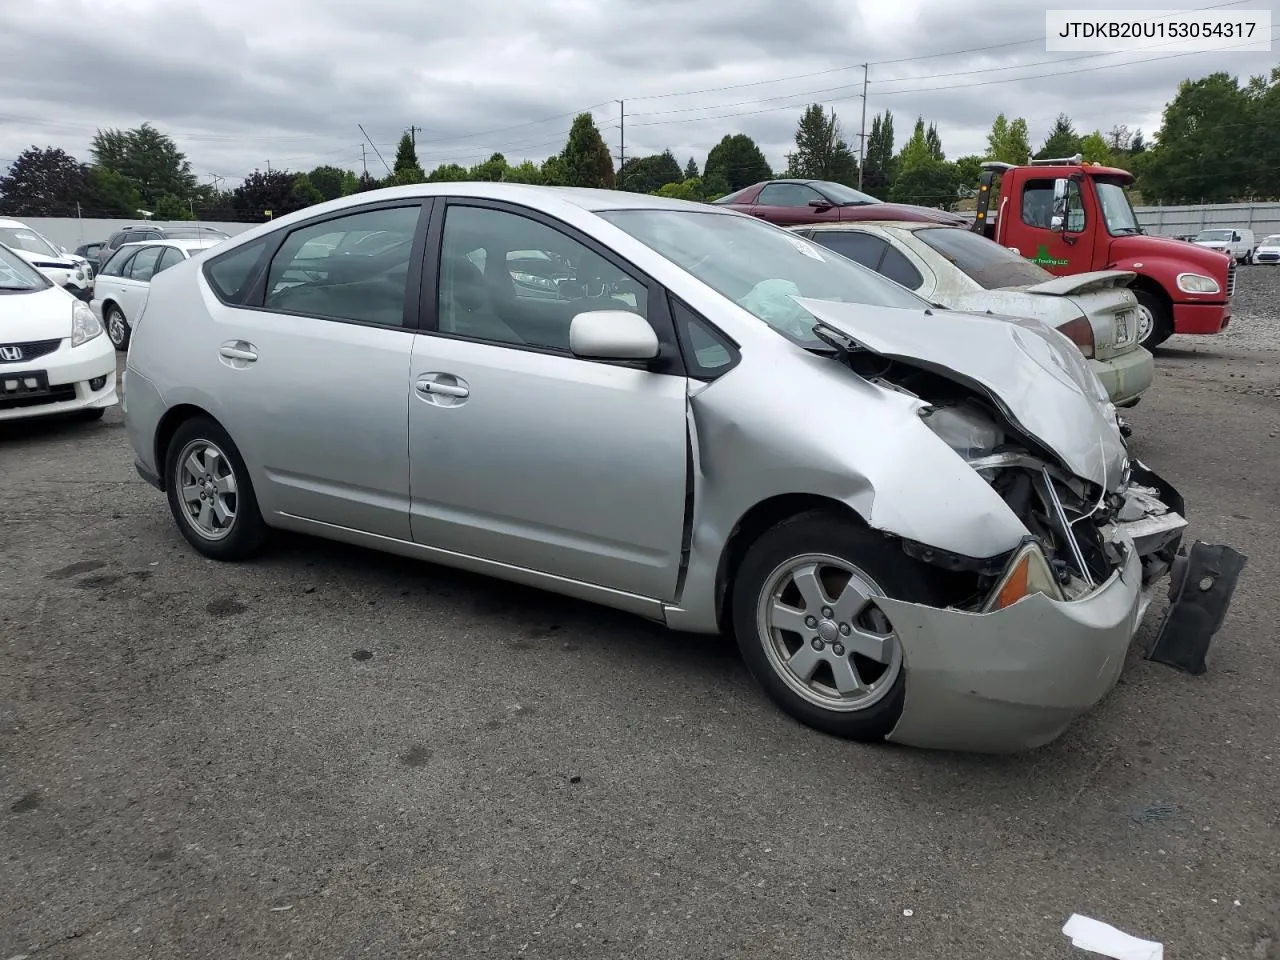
[1048, 226]
[316, 371]
[522, 453]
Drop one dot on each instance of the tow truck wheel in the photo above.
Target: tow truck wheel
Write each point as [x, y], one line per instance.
[1155, 325]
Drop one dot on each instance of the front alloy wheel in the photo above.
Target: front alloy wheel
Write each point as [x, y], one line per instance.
[826, 639]
[117, 328]
[805, 613]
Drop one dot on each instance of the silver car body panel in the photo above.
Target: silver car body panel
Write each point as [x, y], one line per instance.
[624, 487]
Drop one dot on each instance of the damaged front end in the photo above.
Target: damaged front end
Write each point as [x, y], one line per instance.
[1092, 513]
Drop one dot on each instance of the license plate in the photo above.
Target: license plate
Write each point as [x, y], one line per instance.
[23, 384]
[1122, 326]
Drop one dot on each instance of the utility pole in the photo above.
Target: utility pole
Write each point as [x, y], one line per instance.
[622, 134]
[862, 137]
[268, 166]
[413, 135]
[363, 162]
[376, 152]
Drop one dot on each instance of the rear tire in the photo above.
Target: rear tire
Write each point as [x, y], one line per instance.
[118, 329]
[809, 630]
[210, 493]
[1157, 326]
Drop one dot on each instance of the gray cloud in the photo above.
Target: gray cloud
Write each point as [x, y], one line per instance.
[246, 82]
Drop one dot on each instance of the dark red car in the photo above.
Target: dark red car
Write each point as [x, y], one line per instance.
[791, 202]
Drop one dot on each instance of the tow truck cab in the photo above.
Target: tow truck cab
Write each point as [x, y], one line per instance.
[1072, 217]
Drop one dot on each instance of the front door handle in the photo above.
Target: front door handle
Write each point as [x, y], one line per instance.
[443, 389]
[238, 350]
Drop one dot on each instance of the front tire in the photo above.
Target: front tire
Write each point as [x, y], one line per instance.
[118, 329]
[809, 629]
[210, 493]
[1157, 325]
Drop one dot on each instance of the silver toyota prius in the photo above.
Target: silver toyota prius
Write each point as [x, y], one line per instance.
[921, 525]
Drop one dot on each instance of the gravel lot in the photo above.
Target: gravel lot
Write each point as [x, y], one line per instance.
[333, 753]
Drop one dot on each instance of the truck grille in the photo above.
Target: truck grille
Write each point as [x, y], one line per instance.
[1231, 278]
[22, 352]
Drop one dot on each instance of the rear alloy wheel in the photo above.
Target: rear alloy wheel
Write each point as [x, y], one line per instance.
[807, 623]
[118, 331]
[1155, 325]
[210, 494]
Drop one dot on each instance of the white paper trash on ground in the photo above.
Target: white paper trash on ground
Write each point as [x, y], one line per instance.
[1098, 937]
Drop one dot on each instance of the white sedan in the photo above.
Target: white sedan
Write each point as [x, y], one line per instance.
[956, 268]
[121, 289]
[65, 269]
[53, 356]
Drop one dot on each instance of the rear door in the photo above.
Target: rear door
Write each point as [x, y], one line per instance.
[522, 453]
[309, 354]
[134, 281]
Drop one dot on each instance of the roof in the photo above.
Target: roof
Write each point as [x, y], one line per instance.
[911, 225]
[182, 244]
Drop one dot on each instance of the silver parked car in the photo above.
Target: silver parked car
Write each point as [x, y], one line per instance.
[920, 527]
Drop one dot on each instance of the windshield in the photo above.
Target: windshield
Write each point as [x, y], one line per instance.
[842, 194]
[1117, 212]
[17, 274]
[760, 267]
[1271, 241]
[20, 238]
[1214, 235]
[984, 261]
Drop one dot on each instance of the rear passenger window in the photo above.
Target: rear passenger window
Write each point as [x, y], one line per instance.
[349, 268]
[862, 247]
[231, 275]
[899, 269]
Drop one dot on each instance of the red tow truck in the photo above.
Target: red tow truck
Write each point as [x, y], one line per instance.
[1072, 217]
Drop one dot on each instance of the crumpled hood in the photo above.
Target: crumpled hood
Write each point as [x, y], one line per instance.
[1037, 375]
[1090, 282]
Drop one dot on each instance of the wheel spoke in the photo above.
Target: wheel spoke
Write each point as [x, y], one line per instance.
[873, 646]
[851, 602]
[847, 679]
[810, 587]
[191, 493]
[226, 485]
[220, 511]
[193, 465]
[804, 661]
[212, 461]
[783, 617]
[205, 519]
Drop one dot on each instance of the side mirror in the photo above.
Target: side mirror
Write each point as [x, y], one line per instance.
[821, 206]
[612, 335]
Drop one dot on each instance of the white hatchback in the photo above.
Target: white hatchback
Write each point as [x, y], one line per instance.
[120, 290]
[53, 356]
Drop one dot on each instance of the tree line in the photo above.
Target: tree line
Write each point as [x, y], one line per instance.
[1217, 143]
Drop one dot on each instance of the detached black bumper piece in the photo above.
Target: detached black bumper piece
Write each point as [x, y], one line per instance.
[1200, 590]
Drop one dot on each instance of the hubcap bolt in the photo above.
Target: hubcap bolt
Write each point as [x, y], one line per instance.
[838, 649]
[810, 622]
[817, 643]
[826, 612]
[844, 629]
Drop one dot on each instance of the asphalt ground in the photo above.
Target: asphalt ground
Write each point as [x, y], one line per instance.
[334, 753]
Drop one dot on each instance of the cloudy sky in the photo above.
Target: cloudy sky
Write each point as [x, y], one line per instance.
[241, 84]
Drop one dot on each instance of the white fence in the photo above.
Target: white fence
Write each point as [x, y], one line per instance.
[1262, 218]
[70, 232]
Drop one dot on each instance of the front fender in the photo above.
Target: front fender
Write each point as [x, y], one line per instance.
[837, 437]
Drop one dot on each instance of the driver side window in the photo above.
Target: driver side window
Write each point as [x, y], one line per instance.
[510, 279]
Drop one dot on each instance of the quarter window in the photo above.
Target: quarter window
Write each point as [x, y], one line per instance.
[171, 257]
[707, 352]
[231, 275]
[899, 269]
[506, 278]
[324, 270]
[854, 244]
